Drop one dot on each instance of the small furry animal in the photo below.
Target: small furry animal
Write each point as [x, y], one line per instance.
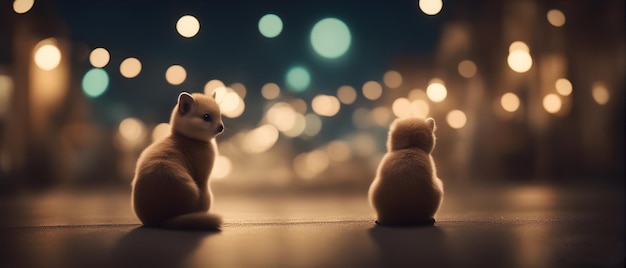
[406, 190]
[171, 185]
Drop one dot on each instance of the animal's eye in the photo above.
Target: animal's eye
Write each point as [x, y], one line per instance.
[206, 117]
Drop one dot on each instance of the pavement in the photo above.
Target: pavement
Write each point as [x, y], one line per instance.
[531, 225]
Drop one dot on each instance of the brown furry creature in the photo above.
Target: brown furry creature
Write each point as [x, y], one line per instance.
[406, 190]
[171, 184]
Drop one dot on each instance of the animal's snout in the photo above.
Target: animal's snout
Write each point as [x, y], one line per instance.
[220, 128]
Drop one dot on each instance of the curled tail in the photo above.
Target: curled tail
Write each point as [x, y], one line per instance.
[199, 221]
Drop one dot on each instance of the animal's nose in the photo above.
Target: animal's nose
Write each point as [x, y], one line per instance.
[220, 128]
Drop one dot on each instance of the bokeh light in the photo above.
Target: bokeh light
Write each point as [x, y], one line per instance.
[22, 6]
[309, 165]
[519, 59]
[600, 93]
[175, 75]
[132, 130]
[346, 94]
[161, 131]
[221, 167]
[325, 105]
[381, 116]
[231, 104]
[299, 105]
[510, 102]
[330, 38]
[403, 107]
[563, 86]
[392, 79]
[436, 90]
[260, 139]
[95, 82]
[556, 17]
[338, 151]
[130, 67]
[47, 54]
[188, 26]
[270, 25]
[270, 91]
[313, 125]
[240, 89]
[213, 85]
[467, 68]
[552, 103]
[298, 78]
[417, 94]
[364, 144]
[431, 7]
[99, 57]
[518, 45]
[282, 116]
[456, 119]
[372, 90]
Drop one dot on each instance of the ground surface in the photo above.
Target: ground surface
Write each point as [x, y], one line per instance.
[503, 226]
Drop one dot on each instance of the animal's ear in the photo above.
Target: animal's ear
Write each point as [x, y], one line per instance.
[431, 123]
[185, 101]
[213, 94]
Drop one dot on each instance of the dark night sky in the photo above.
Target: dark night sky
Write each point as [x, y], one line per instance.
[229, 46]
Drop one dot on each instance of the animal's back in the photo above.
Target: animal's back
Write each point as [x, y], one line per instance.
[406, 189]
[163, 186]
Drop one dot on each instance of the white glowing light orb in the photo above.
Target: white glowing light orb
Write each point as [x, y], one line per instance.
[99, 57]
[510, 102]
[130, 67]
[47, 57]
[552, 103]
[325, 105]
[520, 61]
[431, 7]
[563, 86]
[436, 91]
[188, 26]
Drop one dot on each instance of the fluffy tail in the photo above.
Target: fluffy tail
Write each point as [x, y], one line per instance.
[198, 221]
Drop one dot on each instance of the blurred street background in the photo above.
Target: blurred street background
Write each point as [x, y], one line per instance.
[528, 97]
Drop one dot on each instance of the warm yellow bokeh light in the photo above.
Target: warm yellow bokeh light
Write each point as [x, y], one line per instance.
[600, 93]
[231, 104]
[221, 168]
[372, 90]
[436, 91]
[563, 86]
[417, 94]
[47, 55]
[282, 116]
[298, 127]
[338, 151]
[99, 57]
[381, 116]
[403, 107]
[188, 26]
[6, 91]
[260, 139]
[456, 119]
[392, 79]
[175, 75]
[270, 91]
[309, 165]
[325, 105]
[520, 61]
[132, 130]
[313, 125]
[364, 144]
[240, 89]
[552, 103]
[467, 68]
[299, 105]
[346, 94]
[213, 85]
[22, 6]
[431, 7]
[518, 46]
[130, 67]
[161, 131]
[510, 102]
[556, 17]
